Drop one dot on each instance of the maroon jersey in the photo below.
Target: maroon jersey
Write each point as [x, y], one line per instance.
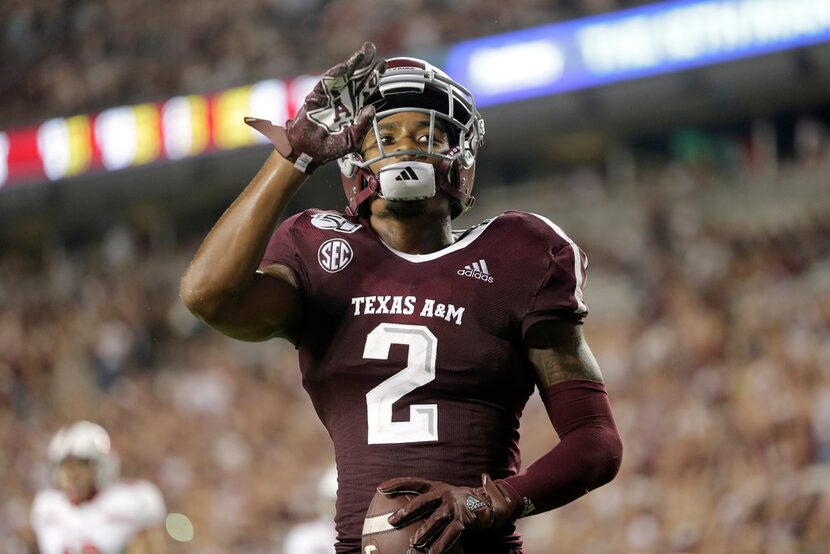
[415, 363]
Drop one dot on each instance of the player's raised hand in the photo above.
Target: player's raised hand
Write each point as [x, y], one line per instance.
[447, 510]
[333, 117]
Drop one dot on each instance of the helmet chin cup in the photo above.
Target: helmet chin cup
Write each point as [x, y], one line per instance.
[407, 181]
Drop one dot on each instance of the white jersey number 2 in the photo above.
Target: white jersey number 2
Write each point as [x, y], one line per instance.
[420, 370]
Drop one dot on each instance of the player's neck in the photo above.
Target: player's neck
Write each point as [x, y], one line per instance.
[83, 497]
[416, 235]
[414, 227]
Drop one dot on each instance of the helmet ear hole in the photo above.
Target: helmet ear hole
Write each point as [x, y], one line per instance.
[348, 165]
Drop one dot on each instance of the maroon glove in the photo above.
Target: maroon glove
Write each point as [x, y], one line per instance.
[333, 118]
[449, 510]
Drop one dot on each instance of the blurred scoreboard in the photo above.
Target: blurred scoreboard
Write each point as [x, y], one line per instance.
[655, 39]
[132, 136]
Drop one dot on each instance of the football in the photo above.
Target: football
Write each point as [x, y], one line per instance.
[381, 538]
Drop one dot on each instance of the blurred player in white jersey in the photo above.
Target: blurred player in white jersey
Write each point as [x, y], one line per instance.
[90, 511]
[317, 536]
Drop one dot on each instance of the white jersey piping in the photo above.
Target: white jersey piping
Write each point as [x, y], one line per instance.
[580, 278]
[460, 244]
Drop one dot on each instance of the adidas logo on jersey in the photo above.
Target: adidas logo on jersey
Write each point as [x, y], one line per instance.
[407, 174]
[477, 270]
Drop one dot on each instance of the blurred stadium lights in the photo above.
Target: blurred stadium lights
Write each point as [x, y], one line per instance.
[184, 120]
[131, 136]
[4, 155]
[546, 61]
[632, 44]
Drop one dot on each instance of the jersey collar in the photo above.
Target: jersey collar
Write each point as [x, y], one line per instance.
[464, 241]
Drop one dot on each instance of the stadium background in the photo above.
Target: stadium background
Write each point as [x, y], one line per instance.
[700, 196]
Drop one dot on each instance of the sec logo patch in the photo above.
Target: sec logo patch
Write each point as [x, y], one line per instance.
[334, 255]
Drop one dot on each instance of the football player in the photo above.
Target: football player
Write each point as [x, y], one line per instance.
[419, 345]
[89, 511]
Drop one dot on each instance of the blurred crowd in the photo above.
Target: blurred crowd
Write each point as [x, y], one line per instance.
[710, 316]
[61, 57]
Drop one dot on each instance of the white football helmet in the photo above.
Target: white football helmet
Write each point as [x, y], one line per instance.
[87, 441]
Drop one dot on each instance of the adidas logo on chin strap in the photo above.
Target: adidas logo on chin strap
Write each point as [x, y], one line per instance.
[407, 174]
[477, 270]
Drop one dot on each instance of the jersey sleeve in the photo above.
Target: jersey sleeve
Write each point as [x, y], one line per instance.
[282, 249]
[150, 508]
[560, 291]
[39, 507]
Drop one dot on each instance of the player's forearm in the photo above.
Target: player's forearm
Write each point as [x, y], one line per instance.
[587, 457]
[230, 254]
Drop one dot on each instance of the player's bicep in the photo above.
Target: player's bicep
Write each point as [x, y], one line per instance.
[268, 307]
[559, 352]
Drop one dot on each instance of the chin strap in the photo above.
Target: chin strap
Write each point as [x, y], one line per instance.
[371, 185]
[444, 179]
